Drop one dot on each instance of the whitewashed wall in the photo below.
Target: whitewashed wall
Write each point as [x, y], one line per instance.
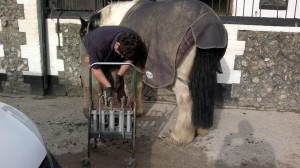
[31, 50]
[1, 51]
[56, 64]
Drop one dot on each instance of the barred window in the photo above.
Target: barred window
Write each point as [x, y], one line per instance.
[221, 7]
[273, 4]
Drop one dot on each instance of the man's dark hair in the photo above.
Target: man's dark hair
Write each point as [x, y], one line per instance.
[132, 48]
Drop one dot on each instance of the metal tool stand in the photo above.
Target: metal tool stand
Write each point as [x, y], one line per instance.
[108, 122]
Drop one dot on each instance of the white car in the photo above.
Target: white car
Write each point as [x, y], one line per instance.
[21, 144]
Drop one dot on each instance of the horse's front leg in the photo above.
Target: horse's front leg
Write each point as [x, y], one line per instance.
[85, 84]
[129, 89]
[184, 130]
[139, 94]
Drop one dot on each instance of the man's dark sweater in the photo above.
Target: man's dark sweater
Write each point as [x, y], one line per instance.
[99, 44]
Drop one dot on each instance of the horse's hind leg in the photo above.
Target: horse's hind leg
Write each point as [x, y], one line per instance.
[139, 96]
[184, 130]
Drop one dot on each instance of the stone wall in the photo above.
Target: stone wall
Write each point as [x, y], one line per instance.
[270, 71]
[69, 53]
[11, 40]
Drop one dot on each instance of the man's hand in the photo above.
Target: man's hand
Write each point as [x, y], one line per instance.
[118, 82]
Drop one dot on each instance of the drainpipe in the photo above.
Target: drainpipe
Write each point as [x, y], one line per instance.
[43, 39]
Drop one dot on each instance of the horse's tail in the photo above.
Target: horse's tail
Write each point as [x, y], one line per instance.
[203, 84]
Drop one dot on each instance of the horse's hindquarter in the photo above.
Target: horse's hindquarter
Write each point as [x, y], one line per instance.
[162, 26]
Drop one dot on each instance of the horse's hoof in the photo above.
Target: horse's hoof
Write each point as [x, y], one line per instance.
[86, 115]
[202, 132]
[138, 115]
[86, 112]
[181, 141]
[170, 140]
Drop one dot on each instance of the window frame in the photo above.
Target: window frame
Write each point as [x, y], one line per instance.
[275, 5]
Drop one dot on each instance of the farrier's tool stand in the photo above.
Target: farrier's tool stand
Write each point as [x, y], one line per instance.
[108, 122]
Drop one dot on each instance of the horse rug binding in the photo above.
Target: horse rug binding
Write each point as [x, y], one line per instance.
[162, 26]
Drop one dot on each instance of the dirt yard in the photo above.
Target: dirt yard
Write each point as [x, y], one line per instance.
[239, 138]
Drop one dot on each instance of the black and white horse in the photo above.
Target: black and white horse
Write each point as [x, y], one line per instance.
[195, 78]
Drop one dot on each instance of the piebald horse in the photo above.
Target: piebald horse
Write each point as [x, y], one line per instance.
[195, 78]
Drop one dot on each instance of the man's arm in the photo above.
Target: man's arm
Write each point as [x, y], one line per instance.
[124, 68]
[98, 73]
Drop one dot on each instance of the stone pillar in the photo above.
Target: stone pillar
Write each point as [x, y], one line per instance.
[12, 64]
[21, 63]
